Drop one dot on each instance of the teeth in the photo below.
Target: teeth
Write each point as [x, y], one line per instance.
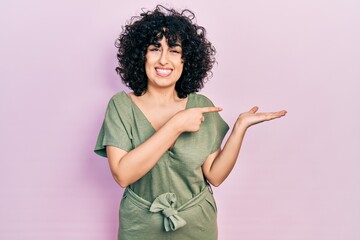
[163, 71]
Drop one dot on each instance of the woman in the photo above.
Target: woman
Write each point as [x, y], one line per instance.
[163, 141]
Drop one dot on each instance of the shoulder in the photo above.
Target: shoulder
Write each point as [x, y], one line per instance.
[201, 100]
[119, 97]
[120, 100]
[120, 104]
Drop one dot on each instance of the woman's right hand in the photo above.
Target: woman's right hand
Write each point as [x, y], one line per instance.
[189, 120]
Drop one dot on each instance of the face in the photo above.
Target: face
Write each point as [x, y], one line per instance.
[164, 64]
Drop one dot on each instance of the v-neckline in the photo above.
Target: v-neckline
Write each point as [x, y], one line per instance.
[144, 116]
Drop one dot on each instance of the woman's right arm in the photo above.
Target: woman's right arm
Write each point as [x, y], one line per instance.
[128, 167]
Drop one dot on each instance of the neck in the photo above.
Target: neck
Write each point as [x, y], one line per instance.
[162, 96]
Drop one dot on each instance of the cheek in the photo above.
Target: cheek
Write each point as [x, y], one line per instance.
[149, 60]
[148, 68]
[149, 63]
[181, 67]
[179, 63]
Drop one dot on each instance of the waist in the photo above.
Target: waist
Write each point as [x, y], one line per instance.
[144, 204]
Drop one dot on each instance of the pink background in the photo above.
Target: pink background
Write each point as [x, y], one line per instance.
[297, 178]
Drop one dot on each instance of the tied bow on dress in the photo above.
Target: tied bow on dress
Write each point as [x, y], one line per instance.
[165, 204]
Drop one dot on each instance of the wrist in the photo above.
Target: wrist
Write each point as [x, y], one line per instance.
[240, 126]
[175, 125]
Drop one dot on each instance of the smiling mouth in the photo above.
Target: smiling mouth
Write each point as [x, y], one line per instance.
[163, 72]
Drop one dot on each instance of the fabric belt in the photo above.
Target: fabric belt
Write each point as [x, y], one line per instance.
[165, 204]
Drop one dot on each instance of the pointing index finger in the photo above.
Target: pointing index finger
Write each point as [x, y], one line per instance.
[211, 109]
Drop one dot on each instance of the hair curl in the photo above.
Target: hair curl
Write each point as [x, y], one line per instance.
[149, 28]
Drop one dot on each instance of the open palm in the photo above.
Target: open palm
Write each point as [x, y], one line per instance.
[253, 117]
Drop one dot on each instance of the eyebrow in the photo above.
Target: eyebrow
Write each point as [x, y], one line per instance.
[176, 45]
[157, 44]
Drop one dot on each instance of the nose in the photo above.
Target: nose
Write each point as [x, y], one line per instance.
[163, 58]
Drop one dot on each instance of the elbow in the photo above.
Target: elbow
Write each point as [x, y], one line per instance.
[121, 181]
[122, 184]
[215, 182]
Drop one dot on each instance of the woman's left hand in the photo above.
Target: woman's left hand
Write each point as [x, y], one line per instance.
[253, 117]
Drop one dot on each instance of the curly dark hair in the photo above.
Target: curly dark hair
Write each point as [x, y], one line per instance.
[148, 29]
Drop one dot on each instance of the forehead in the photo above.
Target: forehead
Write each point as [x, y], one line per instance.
[166, 37]
[166, 42]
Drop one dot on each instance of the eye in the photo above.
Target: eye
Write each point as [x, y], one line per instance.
[154, 49]
[175, 50]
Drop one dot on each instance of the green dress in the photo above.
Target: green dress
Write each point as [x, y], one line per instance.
[176, 178]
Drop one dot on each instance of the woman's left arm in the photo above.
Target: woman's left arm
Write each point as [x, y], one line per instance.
[218, 165]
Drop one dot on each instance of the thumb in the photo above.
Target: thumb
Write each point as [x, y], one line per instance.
[254, 109]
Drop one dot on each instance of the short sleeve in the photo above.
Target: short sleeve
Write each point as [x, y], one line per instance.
[215, 124]
[220, 129]
[115, 130]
